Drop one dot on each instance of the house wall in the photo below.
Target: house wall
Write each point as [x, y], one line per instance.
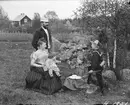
[25, 21]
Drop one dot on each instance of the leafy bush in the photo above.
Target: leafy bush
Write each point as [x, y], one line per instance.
[76, 53]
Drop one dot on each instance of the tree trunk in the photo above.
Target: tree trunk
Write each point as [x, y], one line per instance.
[116, 64]
[108, 57]
[108, 60]
[114, 56]
[125, 54]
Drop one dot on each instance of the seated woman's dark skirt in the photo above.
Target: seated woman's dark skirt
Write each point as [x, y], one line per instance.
[39, 80]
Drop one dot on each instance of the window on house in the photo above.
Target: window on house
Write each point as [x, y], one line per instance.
[25, 20]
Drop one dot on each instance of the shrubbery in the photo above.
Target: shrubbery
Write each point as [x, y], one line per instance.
[76, 53]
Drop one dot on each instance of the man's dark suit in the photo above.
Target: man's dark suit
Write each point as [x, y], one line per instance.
[39, 34]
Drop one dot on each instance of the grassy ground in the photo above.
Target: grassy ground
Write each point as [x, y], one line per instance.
[14, 65]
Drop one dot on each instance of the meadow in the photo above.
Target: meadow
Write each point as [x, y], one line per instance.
[15, 53]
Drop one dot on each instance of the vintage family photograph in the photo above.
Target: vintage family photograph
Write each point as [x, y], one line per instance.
[65, 52]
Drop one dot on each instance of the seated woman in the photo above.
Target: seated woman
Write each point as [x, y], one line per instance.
[39, 79]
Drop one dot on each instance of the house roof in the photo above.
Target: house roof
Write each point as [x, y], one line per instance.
[20, 17]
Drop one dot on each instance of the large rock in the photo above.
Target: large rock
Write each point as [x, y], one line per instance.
[109, 74]
[126, 74]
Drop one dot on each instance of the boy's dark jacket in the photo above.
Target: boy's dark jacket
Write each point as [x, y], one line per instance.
[96, 60]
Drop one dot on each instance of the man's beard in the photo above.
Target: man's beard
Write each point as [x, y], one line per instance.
[45, 27]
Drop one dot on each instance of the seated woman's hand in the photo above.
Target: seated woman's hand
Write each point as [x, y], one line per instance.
[57, 61]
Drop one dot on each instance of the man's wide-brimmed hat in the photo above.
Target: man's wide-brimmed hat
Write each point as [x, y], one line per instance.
[43, 19]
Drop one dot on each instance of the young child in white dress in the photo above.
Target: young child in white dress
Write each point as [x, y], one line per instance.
[51, 66]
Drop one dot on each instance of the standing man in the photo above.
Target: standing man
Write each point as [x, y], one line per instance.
[43, 32]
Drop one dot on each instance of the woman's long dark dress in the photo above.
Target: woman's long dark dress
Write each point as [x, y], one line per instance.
[39, 80]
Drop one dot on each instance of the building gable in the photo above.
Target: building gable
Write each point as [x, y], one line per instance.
[20, 17]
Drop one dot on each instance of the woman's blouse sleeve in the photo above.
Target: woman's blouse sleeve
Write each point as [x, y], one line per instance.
[33, 56]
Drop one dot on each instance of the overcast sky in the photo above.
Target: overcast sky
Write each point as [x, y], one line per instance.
[63, 8]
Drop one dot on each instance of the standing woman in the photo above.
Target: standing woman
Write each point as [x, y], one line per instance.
[38, 79]
[97, 63]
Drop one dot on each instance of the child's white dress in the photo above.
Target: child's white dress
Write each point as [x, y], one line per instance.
[51, 66]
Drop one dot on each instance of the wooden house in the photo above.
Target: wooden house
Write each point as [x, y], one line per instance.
[22, 20]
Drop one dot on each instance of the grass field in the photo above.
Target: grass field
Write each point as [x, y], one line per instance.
[15, 37]
[14, 65]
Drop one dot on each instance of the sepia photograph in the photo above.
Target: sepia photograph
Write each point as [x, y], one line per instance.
[64, 52]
